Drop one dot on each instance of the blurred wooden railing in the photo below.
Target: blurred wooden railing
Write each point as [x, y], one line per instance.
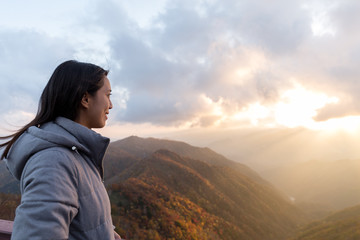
[5, 229]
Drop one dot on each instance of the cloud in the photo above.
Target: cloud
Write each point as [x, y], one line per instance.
[278, 27]
[198, 63]
[27, 61]
[345, 17]
[193, 51]
[329, 62]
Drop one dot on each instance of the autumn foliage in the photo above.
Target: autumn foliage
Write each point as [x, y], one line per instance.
[166, 196]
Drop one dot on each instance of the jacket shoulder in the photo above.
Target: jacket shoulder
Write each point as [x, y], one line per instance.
[49, 201]
[56, 160]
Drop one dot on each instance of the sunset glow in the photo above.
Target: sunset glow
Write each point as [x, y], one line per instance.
[211, 100]
[183, 66]
[295, 107]
[298, 106]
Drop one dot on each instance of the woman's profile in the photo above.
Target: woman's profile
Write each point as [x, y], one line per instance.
[58, 159]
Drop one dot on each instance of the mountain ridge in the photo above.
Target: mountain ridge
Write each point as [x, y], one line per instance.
[146, 146]
[250, 208]
[334, 184]
[342, 224]
[162, 189]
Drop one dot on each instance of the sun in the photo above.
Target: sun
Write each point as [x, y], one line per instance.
[350, 124]
[297, 107]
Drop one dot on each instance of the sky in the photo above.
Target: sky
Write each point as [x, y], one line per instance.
[194, 66]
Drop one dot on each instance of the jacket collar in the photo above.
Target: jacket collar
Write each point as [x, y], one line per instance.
[90, 142]
[61, 132]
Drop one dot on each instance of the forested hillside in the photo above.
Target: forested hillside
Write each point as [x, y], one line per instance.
[8, 204]
[161, 189]
[166, 195]
[342, 225]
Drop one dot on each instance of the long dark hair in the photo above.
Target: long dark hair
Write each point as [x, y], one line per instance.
[62, 95]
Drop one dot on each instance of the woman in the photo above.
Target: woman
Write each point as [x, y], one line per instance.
[58, 159]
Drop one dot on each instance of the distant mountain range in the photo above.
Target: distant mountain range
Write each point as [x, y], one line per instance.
[340, 225]
[264, 149]
[335, 184]
[133, 149]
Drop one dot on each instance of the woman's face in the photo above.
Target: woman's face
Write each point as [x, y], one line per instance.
[99, 106]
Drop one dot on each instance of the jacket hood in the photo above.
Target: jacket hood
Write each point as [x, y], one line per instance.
[60, 133]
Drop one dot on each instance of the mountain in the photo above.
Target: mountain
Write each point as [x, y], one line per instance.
[8, 184]
[136, 148]
[171, 190]
[162, 189]
[340, 225]
[335, 184]
[263, 149]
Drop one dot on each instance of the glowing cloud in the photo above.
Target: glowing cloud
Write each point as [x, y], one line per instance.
[298, 106]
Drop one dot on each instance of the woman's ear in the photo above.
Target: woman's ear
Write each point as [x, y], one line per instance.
[85, 100]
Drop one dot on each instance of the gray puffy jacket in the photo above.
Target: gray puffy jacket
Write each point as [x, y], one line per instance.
[59, 166]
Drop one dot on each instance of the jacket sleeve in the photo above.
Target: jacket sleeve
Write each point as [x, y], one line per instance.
[49, 199]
